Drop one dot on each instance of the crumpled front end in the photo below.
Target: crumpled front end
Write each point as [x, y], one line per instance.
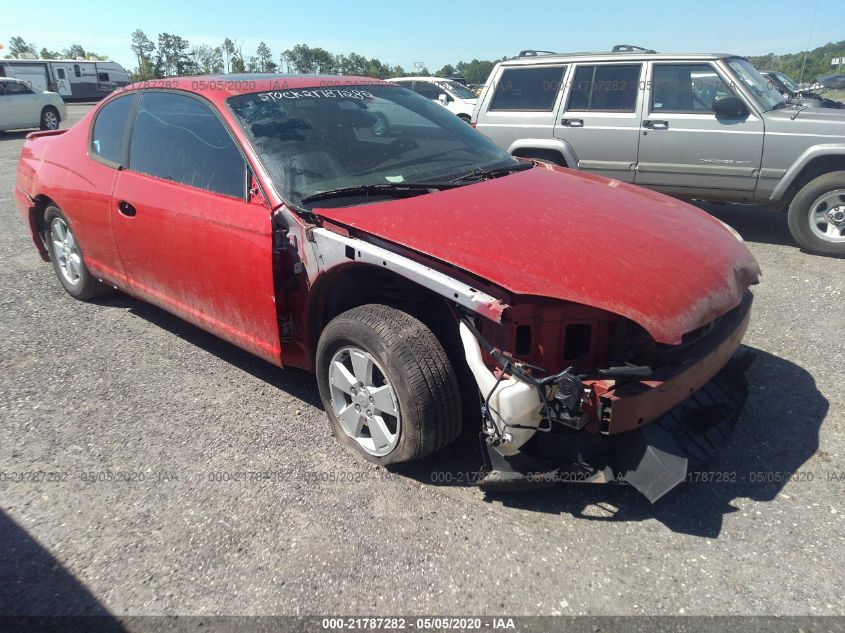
[583, 395]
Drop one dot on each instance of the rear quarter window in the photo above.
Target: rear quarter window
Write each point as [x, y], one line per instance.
[528, 89]
[109, 134]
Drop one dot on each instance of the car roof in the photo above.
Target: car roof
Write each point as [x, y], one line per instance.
[412, 78]
[225, 86]
[540, 57]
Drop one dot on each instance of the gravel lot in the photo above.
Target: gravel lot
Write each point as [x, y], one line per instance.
[121, 386]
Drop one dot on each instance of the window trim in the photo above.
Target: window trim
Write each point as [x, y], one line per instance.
[564, 68]
[595, 66]
[650, 82]
[184, 93]
[125, 144]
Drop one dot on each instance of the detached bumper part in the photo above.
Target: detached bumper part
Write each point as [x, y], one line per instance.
[653, 459]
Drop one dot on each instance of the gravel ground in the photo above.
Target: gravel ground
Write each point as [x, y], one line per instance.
[121, 386]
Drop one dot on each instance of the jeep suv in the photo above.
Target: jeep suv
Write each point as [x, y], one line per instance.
[695, 126]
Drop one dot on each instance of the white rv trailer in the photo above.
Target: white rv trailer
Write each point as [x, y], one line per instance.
[72, 78]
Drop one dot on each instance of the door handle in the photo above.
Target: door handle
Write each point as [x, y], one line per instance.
[656, 125]
[572, 122]
[126, 209]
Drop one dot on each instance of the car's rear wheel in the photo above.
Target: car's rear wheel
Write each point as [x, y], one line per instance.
[388, 387]
[817, 215]
[50, 118]
[67, 258]
[465, 118]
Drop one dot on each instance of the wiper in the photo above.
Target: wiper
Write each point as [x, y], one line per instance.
[386, 189]
[783, 104]
[492, 173]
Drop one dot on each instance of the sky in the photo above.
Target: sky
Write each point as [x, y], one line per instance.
[436, 32]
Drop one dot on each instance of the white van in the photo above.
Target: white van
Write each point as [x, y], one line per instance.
[453, 96]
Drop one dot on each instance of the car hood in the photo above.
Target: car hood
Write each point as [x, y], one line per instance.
[575, 237]
[825, 122]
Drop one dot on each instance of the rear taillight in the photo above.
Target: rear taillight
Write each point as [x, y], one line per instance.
[473, 124]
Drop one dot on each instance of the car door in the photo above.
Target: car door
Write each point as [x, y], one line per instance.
[684, 146]
[23, 104]
[189, 237]
[62, 74]
[601, 120]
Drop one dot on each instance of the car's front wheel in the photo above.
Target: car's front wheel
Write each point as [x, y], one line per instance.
[387, 385]
[817, 215]
[67, 258]
[50, 118]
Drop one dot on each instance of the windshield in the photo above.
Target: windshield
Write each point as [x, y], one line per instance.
[787, 81]
[762, 89]
[457, 89]
[316, 140]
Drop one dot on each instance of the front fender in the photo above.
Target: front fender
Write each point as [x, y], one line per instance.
[809, 154]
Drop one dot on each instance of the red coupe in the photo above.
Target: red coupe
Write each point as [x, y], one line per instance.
[352, 228]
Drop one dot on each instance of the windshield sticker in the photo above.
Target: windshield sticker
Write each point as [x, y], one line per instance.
[315, 94]
[395, 179]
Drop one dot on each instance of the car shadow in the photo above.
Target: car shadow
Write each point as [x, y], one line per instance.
[296, 382]
[37, 593]
[776, 434]
[11, 135]
[754, 223]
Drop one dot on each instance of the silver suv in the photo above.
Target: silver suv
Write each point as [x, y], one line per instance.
[699, 126]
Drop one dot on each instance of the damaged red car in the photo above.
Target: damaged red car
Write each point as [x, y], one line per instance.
[586, 328]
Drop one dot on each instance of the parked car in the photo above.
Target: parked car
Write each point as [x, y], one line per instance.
[793, 93]
[24, 107]
[363, 233]
[452, 95]
[690, 125]
[832, 82]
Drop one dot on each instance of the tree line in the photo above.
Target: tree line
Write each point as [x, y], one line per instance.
[817, 62]
[170, 55]
[173, 55]
[19, 46]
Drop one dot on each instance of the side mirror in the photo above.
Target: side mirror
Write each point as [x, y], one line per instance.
[443, 98]
[729, 107]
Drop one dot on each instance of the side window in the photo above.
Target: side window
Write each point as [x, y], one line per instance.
[103, 77]
[109, 133]
[76, 70]
[533, 88]
[180, 138]
[427, 89]
[17, 88]
[605, 88]
[685, 88]
[60, 73]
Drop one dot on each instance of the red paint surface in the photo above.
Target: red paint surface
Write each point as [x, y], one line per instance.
[565, 235]
[207, 258]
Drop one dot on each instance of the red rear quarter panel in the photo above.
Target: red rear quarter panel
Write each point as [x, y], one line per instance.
[57, 168]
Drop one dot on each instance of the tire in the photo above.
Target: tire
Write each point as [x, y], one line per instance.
[407, 359]
[50, 119]
[824, 194]
[465, 118]
[67, 259]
